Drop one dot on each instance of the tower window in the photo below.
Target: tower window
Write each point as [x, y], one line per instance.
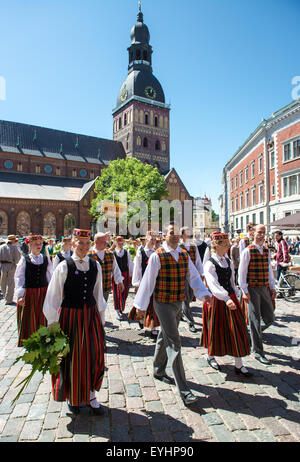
[145, 142]
[125, 119]
[157, 145]
[138, 54]
[146, 119]
[120, 123]
[145, 55]
[155, 121]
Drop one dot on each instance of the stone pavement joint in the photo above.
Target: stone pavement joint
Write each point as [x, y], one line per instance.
[138, 408]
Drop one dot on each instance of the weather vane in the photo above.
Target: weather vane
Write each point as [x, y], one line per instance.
[140, 5]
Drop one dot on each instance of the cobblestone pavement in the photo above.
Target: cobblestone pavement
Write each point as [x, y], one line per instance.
[140, 408]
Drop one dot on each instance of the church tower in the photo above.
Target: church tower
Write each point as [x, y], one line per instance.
[141, 117]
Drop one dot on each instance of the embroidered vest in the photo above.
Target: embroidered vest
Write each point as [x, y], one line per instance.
[107, 266]
[258, 270]
[171, 277]
[35, 275]
[79, 285]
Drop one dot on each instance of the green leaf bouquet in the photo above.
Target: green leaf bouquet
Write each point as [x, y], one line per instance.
[45, 350]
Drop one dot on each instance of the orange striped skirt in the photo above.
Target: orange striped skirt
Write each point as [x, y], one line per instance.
[30, 316]
[83, 368]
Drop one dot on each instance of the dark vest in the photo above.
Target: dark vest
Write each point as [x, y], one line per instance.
[202, 248]
[79, 285]
[61, 258]
[35, 275]
[144, 260]
[224, 275]
[122, 261]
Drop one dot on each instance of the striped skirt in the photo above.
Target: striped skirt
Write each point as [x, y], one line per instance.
[224, 331]
[83, 368]
[30, 316]
[150, 320]
[120, 297]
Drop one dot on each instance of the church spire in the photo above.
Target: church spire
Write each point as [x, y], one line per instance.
[140, 16]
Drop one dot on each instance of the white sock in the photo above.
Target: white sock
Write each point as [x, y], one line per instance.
[93, 400]
[210, 357]
[239, 364]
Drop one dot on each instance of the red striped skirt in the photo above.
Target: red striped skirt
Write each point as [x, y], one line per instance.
[30, 316]
[83, 368]
[244, 308]
[119, 296]
[150, 320]
[224, 331]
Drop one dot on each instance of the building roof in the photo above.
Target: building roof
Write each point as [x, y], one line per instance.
[27, 186]
[48, 142]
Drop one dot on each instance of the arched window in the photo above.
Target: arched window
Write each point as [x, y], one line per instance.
[146, 119]
[138, 55]
[120, 123]
[23, 224]
[69, 224]
[125, 119]
[157, 145]
[3, 223]
[145, 55]
[156, 121]
[145, 142]
[49, 228]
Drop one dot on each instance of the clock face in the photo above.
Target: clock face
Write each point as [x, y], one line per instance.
[150, 92]
[124, 95]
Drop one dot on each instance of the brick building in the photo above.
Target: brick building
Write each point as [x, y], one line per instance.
[261, 182]
[47, 175]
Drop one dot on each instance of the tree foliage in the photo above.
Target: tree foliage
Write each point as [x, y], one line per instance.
[140, 182]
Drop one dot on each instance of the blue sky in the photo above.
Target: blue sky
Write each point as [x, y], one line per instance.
[224, 65]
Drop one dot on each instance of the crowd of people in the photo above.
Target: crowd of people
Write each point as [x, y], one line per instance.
[69, 281]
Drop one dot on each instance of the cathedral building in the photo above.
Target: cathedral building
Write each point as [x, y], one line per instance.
[47, 176]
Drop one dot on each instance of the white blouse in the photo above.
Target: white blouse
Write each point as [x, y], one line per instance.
[212, 278]
[56, 260]
[20, 272]
[137, 266]
[148, 282]
[54, 294]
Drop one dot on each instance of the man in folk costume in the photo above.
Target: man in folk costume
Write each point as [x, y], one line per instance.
[32, 277]
[140, 264]
[64, 253]
[224, 328]
[192, 250]
[165, 277]
[108, 263]
[125, 264]
[248, 239]
[75, 300]
[257, 283]
[9, 258]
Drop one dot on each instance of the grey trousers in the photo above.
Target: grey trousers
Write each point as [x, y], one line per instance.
[8, 284]
[186, 309]
[259, 307]
[168, 343]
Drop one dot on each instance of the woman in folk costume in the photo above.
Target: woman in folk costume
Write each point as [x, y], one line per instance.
[125, 264]
[64, 253]
[75, 300]
[140, 264]
[243, 244]
[224, 329]
[108, 263]
[32, 276]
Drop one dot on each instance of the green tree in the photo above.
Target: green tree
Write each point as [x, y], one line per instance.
[140, 182]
